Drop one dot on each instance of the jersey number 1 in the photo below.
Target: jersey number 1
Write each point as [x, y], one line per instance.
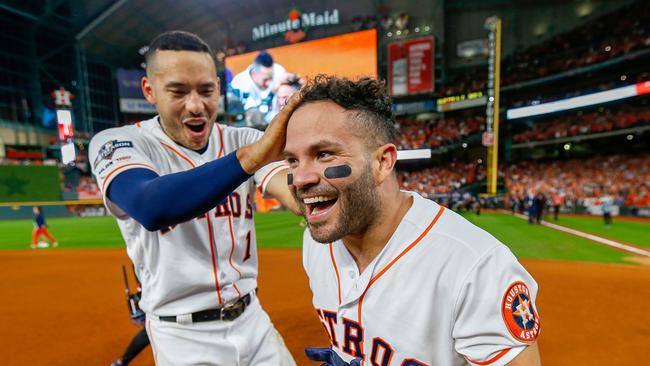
[248, 246]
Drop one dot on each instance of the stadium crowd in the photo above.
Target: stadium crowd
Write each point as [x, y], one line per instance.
[625, 177]
[583, 123]
[606, 37]
[434, 133]
[441, 179]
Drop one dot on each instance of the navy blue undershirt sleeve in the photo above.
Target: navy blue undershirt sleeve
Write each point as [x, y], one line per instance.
[158, 202]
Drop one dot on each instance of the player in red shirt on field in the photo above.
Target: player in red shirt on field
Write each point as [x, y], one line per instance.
[40, 228]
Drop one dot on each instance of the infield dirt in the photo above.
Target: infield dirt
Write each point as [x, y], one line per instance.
[67, 307]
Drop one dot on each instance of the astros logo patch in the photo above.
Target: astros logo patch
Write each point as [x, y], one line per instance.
[519, 313]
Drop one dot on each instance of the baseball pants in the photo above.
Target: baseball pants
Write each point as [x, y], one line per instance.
[249, 340]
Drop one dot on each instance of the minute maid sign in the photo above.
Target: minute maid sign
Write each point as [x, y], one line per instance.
[296, 25]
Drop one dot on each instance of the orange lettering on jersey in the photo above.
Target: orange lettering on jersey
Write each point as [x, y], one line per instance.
[330, 318]
[380, 346]
[413, 362]
[235, 204]
[222, 209]
[249, 208]
[353, 338]
[329, 330]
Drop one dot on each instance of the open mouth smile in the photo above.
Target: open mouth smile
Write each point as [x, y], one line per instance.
[317, 207]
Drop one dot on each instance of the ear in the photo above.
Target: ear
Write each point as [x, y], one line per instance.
[385, 158]
[147, 90]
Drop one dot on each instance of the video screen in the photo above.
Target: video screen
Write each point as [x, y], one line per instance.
[260, 82]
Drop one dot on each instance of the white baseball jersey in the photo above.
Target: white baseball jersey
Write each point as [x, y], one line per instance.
[250, 94]
[199, 264]
[441, 292]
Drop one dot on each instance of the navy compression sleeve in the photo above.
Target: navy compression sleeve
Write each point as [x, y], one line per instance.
[158, 202]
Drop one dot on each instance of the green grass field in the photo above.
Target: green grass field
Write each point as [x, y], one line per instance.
[536, 241]
[627, 232]
[282, 230]
[274, 230]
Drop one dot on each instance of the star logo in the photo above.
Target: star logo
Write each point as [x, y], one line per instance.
[14, 185]
[523, 311]
[519, 313]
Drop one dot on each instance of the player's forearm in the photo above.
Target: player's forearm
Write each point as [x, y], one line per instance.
[158, 202]
[251, 159]
[527, 357]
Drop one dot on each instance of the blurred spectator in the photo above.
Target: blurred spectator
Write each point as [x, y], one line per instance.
[437, 132]
[442, 179]
[609, 36]
[625, 177]
[583, 123]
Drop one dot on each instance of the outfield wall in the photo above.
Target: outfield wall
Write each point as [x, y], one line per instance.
[29, 183]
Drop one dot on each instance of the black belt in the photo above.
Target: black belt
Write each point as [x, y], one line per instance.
[228, 312]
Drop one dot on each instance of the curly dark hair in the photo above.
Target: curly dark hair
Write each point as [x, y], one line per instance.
[368, 97]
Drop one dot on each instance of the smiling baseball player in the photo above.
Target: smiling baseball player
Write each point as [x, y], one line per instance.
[181, 188]
[396, 279]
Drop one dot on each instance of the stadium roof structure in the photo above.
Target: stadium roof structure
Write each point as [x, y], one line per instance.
[114, 30]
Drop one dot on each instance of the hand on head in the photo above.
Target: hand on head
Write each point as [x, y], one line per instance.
[269, 148]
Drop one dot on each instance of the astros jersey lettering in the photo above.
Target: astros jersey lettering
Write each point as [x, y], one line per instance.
[441, 292]
[199, 283]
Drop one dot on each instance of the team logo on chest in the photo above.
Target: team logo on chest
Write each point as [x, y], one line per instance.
[519, 313]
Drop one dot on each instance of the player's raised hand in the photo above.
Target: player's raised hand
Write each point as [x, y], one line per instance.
[269, 148]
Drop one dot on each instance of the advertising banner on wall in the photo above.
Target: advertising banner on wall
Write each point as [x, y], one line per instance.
[410, 66]
[131, 98]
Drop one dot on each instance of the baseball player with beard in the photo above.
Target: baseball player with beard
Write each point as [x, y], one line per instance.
[181, 188]
[396, 279]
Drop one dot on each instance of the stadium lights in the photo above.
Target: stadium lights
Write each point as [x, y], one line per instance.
[581, 101]
[567, 147]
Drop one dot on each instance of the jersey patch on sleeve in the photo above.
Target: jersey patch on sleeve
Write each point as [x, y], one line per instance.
[519, 313]
[108, 149]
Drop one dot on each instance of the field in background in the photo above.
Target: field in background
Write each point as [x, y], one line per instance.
[274, 230]
[283, 230]
[636, 233]
[86, 321]
[540, 242]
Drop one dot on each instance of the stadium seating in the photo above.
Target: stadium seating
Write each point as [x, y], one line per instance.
[627, 177]
[607, 37]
